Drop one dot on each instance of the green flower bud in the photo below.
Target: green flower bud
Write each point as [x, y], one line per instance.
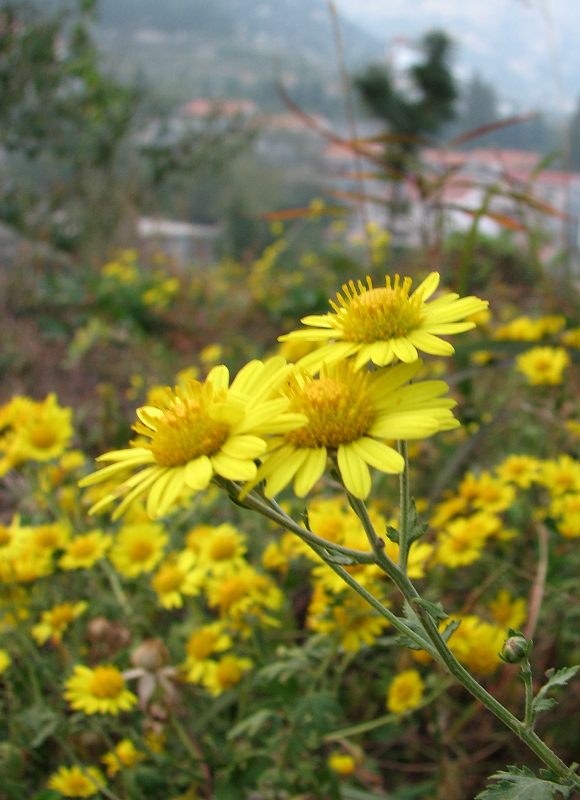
[516, 649]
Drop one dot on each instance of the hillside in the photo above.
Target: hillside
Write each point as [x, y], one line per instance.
[232, 47]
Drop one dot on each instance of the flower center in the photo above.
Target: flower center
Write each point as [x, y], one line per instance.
[185, 430]
[339, 412]
[82, 547]
[222, 548]
[228, 673]
[42, 437]
[168, 579]
[201, 644]
[230, 591]
[382, 313]
[107, 682]
[140, 550]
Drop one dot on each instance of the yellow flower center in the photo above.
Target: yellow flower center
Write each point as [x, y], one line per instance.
[382, 313]
[106, 682]
[140, 550]
[82, 547]
[230, 591]
[186, 430]
[228, 673]
[338, 411]
[222, 547]
[77, 785]
[168, 579]
[46, 537]
[42, 437]
[200, 645]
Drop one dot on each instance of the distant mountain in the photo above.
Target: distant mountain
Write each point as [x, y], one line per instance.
[221, 48]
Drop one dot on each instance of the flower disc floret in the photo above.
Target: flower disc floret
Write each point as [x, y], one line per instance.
[382, 324]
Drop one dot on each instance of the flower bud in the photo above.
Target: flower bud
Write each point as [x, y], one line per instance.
[516, 649]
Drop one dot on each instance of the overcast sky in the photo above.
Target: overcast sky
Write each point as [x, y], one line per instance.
[529, 48]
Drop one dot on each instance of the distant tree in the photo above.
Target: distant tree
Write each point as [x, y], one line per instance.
[420, 110]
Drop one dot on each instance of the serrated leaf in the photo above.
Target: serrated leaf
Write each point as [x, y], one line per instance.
[251, 725]
[520, 783]
[434, 610]
[450, 629]
[418, 531]
[558, 677]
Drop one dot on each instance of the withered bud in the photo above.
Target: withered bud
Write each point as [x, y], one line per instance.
[150, 655]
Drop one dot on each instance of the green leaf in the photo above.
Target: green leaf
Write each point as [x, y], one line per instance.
[251, 725]
[38, 723]
[339, 558]
[434, 610]
[392, 534]
[520, 783]
[559, 677]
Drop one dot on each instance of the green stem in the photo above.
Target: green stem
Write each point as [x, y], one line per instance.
[116, 587]
[405, 507]
[526, 676]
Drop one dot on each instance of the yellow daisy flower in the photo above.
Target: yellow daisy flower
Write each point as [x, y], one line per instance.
[244, 593]
[85, 550]
[543, 366]
[519, 469]
[76, 781]
[405, 692]
[477, 643]
[124, 755]
[226, 673]
[196, 431]
[349, 618]
[223, 549]
[54, 622]
[508, 611]
[138, 548]
[101, 690]
[350, 415]
[33, 431]
[200, 646]
[463, 539]
[561, 475]
[178, 575]
[386, 323]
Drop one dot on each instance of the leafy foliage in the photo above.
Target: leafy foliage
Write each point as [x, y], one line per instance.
[520, 783]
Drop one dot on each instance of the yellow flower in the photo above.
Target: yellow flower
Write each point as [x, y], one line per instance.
[223, 549]
[463, 539]
[5, 660]
[101, 690]
[196, 431]
[348, 617]
[124, 755]
[543, 366]
[508, 612]
[138, 548]
[519, 469]
[405, 692]
[244, 593]
[477, 644]
[55, 621]
[226, 673]
[561, 475]
[76, 781]
[448, 509]
[486, 492]
[85, 550]
[33, 431]
[341, 763]
[203, 643]
[571, 337]
[350, 415]
[385, 323]
[177, 576]
[566, 510]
